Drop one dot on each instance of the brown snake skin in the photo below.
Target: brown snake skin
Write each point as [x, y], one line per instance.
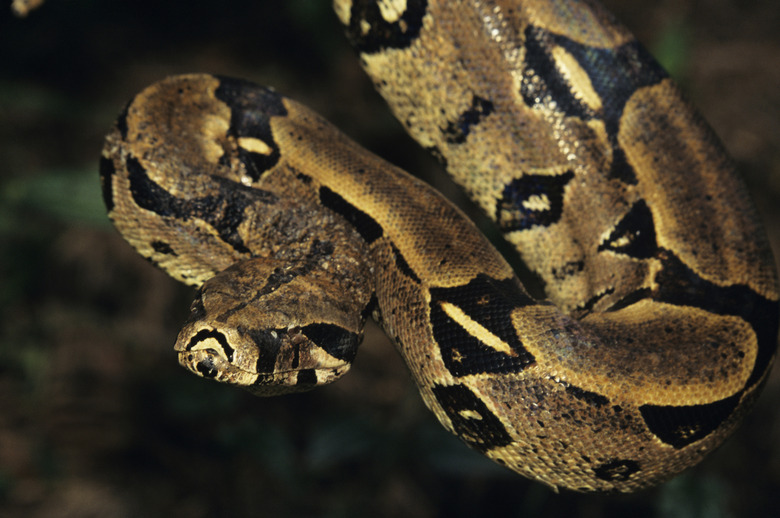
[660, 320]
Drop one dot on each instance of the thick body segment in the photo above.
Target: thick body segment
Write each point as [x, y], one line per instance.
[661, 317]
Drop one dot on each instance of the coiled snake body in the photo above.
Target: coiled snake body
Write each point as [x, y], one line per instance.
[660, 319]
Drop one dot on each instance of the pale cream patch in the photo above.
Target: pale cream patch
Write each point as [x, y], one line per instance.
[214, 129]
[470, 414]
[392, 10]
[342, 8]
[577, 78]
[476, 330]
[210, 344]
[365, 27]
[537, 202]
[255, 145]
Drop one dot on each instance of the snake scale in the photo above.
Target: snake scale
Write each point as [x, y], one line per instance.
[660, 316]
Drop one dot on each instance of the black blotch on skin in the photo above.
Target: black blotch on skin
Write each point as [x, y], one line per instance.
[637, 230]
[147, 194]
[306, 377]
[620, 169]
[251, 109]
[224, 211]
[587, 396]
[512, 214]
[268, 343]
[382, 34]
[680, 426]
[617, 470]
[403, 266]
[568, 269]
[471, 420]
[335, 340]
[365, 225]
[456, 132]
[490, 303]
[206, 368]
[373, 303]
[107, 172]
[161, 247]
[205, 334]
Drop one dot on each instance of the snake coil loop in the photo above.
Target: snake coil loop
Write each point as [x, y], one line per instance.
[660, 320]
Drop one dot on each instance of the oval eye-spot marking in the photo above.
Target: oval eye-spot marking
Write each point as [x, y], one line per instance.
[255, 145]
[306, 377]
[532, 200]
[577, 78]
[163, 248]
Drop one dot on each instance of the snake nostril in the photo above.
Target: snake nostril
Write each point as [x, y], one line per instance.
[206, 368]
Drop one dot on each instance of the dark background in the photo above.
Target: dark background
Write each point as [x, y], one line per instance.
[97, 418]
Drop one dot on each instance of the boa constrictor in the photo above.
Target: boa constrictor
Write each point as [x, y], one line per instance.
[659, 323]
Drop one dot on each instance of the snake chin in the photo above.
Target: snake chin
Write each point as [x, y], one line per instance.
[295, 381]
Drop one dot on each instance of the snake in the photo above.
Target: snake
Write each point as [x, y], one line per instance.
[657, 320]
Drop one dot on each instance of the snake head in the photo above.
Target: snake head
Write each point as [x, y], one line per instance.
[291, 338]
[267, 362]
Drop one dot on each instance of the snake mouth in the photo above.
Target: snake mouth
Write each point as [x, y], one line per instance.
[296, 365]
[210, 364]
